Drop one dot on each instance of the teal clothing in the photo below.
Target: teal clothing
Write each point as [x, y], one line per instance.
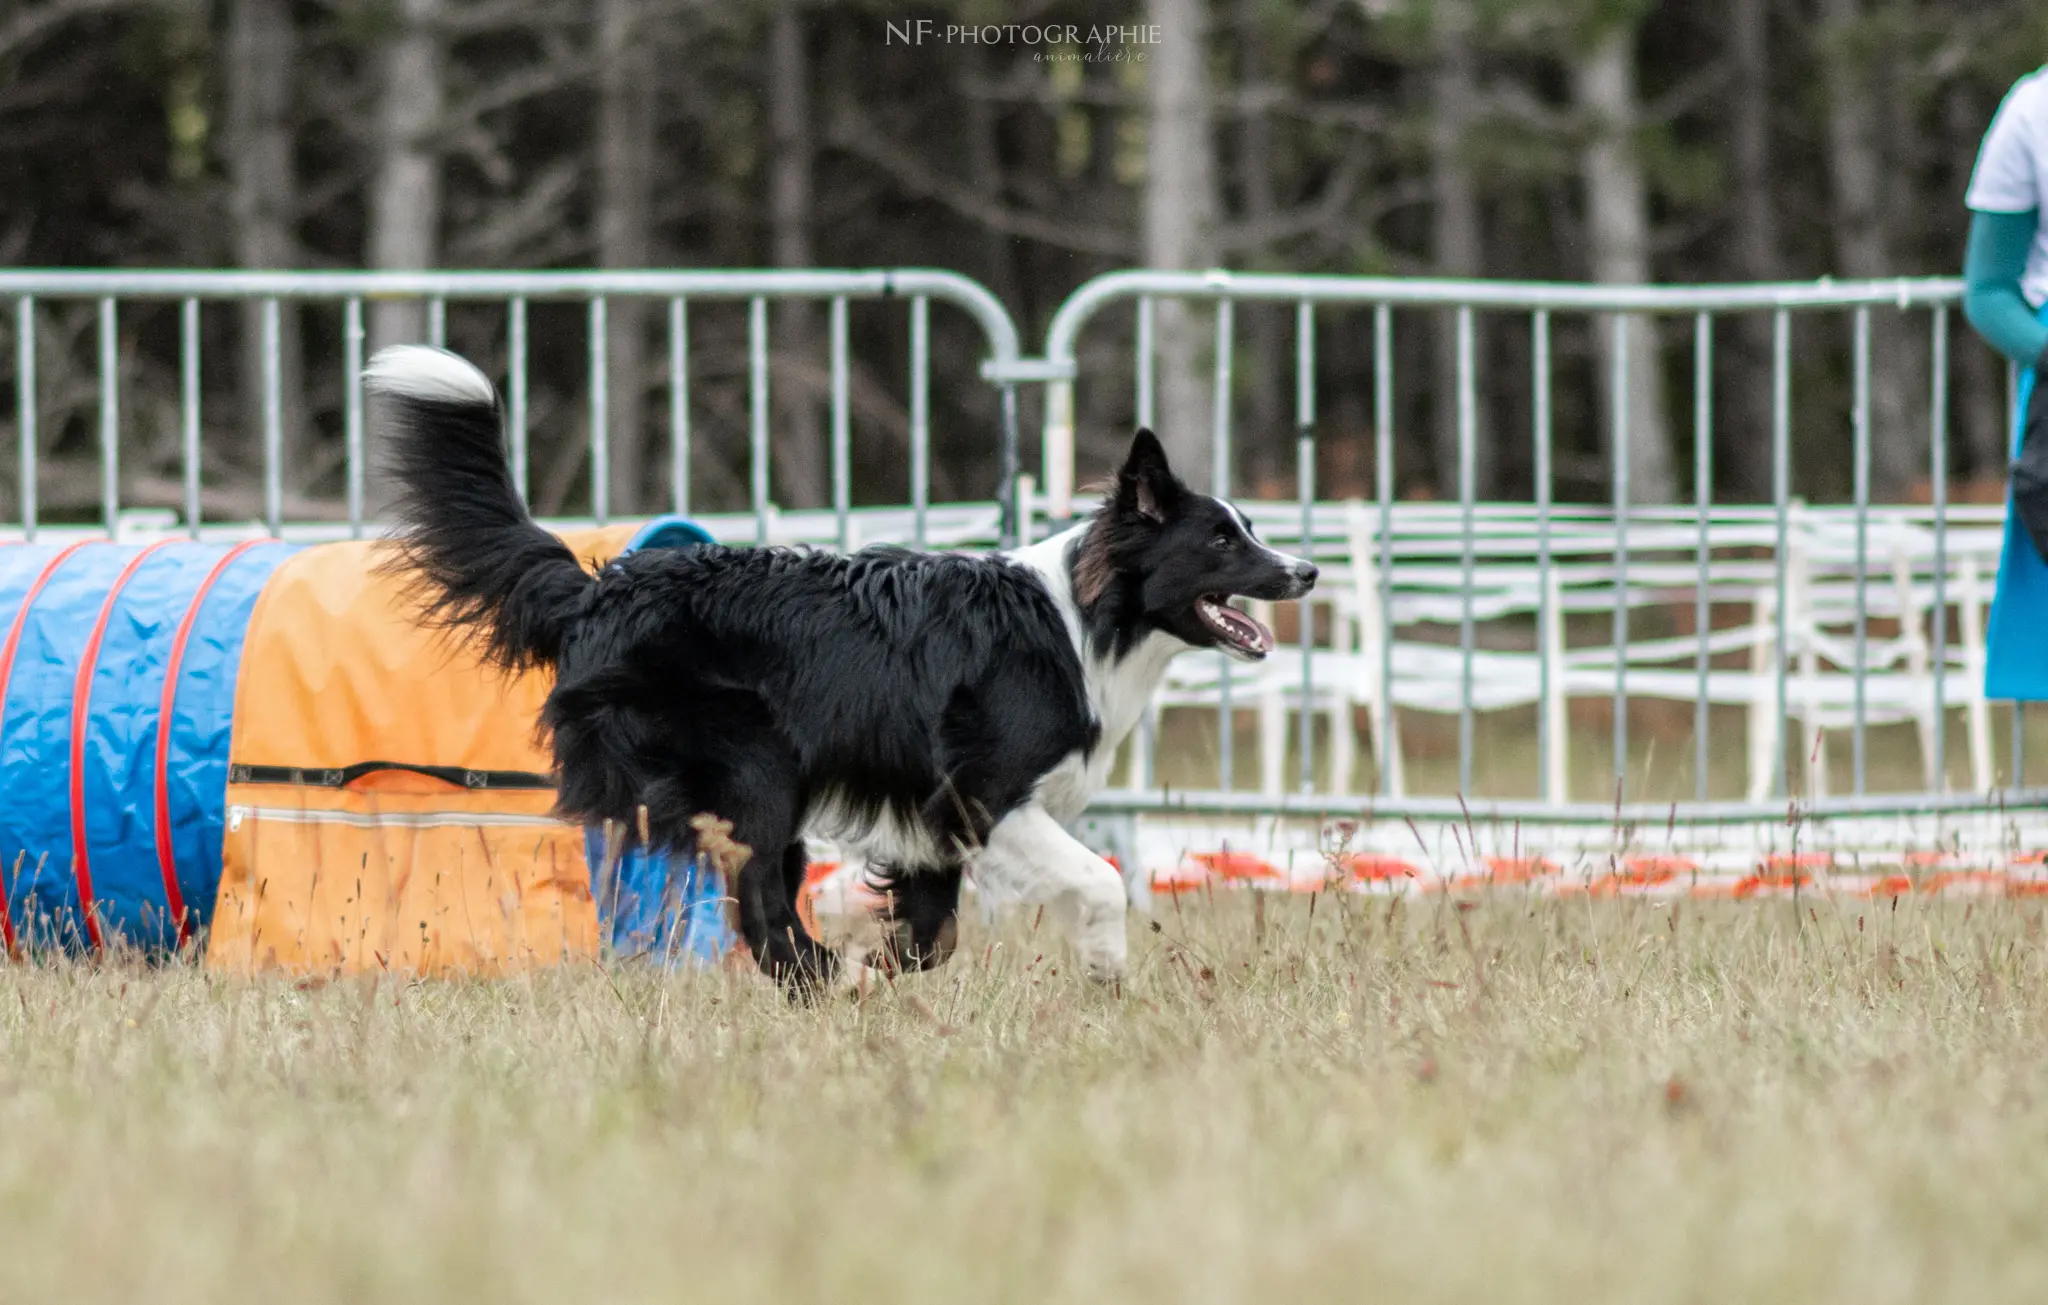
[2016, 645]
[2006, 278]
[1993, 262]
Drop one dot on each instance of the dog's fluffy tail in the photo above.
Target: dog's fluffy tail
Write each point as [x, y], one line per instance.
[481, 561]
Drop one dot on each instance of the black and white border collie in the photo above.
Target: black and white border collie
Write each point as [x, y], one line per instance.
[931, 712]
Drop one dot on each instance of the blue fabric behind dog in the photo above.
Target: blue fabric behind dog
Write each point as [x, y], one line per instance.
[650, 908]
[2016, 646]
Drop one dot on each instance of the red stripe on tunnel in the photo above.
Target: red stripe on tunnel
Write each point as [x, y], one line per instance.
[81, 704]
[7, 651]
[166, 860]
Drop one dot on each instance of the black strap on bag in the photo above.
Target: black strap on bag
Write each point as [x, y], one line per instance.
[343, 776]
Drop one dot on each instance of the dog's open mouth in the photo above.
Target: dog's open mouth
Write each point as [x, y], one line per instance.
[1239, 631]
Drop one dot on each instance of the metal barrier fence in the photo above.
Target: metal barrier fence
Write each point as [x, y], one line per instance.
[1395, 565]
[349, 292]
[1807, 580]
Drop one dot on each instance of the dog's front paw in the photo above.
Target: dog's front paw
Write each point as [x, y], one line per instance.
[860, 971]
[1100, 940]
[1106, 976]
[905, 948]
[1104, 951]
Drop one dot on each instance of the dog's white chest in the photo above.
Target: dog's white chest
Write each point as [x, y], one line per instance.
[874, 834]
[1117, 693]
[1118, 687]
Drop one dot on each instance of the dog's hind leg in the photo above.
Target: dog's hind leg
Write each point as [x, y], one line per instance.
[758, 795]
[782, 947]
[680, 751]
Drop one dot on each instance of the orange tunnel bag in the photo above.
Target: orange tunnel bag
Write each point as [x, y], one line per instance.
[393, 869]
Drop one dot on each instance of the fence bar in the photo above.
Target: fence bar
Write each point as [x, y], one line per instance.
[25, 407]
[1937, 470]
[1539, 349]
[352, 415]
[1468, 420]
[1703, 499]
[1220, 446]
[1219, 476]
[2019, 745]
[1305, 480]
[1516, 296]
[1015, 513]
[842, 429]
[1860, 458]
[1505, 814]
[515, 328]
[188, 408]
[1079, 308]
[757, 412]
[1619, 379]
[679, 406]
[434, 293]
[1146, 773]
[1781, 502]
[110, 413]
[1147, 312]
[1144, 366]
[600, 415]
[273, 418]
[1383, 485]
[920, 415]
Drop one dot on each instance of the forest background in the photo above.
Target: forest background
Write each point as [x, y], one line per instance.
[1583, 140]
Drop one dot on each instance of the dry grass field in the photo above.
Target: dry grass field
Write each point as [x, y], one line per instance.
[1520, 1100]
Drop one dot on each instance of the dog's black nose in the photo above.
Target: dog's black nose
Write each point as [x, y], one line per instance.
[1306, 572]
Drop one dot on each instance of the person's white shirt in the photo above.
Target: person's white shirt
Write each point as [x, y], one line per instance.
[2011, 175]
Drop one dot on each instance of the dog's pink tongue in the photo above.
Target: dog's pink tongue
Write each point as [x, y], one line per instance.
[1251, 632]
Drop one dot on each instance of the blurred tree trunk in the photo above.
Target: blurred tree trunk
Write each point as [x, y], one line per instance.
[800, 476]
[1618, 231]
[405, 195]
[1181, 211]
[263, 203]
[1865, 247]
[985, 166]
[1454, 226]
[1267, 412]
[625, 199]
[1744, 406]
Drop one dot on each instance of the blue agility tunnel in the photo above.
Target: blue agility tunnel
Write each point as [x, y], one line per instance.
[117, 693]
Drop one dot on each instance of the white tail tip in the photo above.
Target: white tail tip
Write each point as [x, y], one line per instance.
[418, 371]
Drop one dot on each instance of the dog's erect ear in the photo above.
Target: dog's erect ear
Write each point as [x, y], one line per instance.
[1146, 484]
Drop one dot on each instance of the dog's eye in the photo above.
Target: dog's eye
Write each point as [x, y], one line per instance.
[1223, 540]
